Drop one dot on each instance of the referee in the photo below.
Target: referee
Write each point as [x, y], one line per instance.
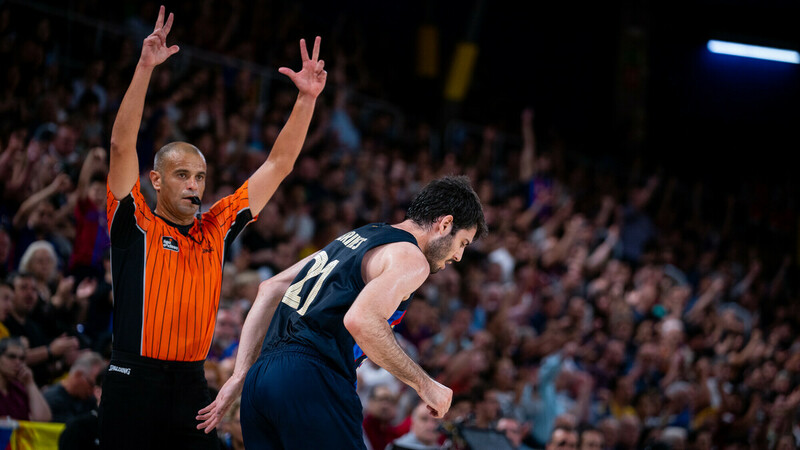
[167, 264]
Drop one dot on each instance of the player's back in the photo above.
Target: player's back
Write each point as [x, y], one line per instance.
[313, 307]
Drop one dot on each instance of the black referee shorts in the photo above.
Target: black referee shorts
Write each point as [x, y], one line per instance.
[152, 404]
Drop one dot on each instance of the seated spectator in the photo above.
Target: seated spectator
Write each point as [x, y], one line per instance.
[514, 431]
[74, 395]
[591, 438]
[6, 294]
[20, 398]
[226, 333]
[562, 437]
[487, 407]
[41, 261]
[423, 435]
[82, 432]
[45, 357]
[379, 426]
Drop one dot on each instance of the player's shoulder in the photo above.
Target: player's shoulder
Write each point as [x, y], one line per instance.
[405, 249]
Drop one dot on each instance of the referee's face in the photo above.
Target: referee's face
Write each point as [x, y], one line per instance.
[183, 177]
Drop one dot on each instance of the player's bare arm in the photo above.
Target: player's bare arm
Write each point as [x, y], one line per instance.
[309, 82]
[392, 273]
[254, 329]
[123, 163]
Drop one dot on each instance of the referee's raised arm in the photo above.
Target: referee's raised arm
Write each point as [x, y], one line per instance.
[309, 81]
[123, 163]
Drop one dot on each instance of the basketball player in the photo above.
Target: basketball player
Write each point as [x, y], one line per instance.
[330, 311]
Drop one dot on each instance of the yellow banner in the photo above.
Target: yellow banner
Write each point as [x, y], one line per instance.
[36, 436]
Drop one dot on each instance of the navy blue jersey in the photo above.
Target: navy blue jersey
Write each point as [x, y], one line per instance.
[313, 308]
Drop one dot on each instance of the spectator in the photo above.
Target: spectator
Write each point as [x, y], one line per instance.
[5, 251]
[83, 431]
[46, 357]
[486, 407]
[37, 219]
[379, 418]
[591, 438]
[41, 261]
[6, 296]
[423, 434]
[514, 431]
[562, 437]
[91, 227]
[226, 333]
[74, 395]
[21, 397]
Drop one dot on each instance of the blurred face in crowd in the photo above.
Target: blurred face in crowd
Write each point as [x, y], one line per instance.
[228, 327]
[382, 403]
[459, 325]
[512, 429]
[41, 219]
[424, 425]
[24, 295]
[459, 410]
[629, 431]
[6, 296]
[11, 361]
[703, 441]
[489, 408]
[85, 388]
[786, 442]
[563, 439]
[65, 140]
[615, 352]
[97, 194]
[610, 429]
[592, 440]
[505, 374]
[5, 246]
[42, 265]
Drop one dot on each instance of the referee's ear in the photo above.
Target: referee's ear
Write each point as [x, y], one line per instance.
[155, 179]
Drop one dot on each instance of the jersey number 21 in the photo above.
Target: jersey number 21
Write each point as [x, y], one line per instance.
[320, 270]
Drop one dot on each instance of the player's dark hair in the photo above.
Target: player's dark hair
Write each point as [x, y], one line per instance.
[451, 195]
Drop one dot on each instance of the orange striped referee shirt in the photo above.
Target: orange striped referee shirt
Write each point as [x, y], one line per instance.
[167, 277]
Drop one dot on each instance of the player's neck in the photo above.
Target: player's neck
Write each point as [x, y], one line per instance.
[418, 232]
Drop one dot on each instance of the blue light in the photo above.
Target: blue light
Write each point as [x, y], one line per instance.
[753, 51]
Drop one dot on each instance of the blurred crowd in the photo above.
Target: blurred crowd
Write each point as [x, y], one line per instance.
[612, 306]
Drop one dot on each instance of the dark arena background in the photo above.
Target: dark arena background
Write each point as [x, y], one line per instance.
[639, 279]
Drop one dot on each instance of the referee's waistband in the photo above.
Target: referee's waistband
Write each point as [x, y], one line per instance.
[152, 363]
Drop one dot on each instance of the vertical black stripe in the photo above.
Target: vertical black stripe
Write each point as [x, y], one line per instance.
[163, 298]
[157, 269]
[187, 273]
[172, 298]
[193, 302]
[198, 317]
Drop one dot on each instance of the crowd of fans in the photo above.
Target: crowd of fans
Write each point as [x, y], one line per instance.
[613, 307]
